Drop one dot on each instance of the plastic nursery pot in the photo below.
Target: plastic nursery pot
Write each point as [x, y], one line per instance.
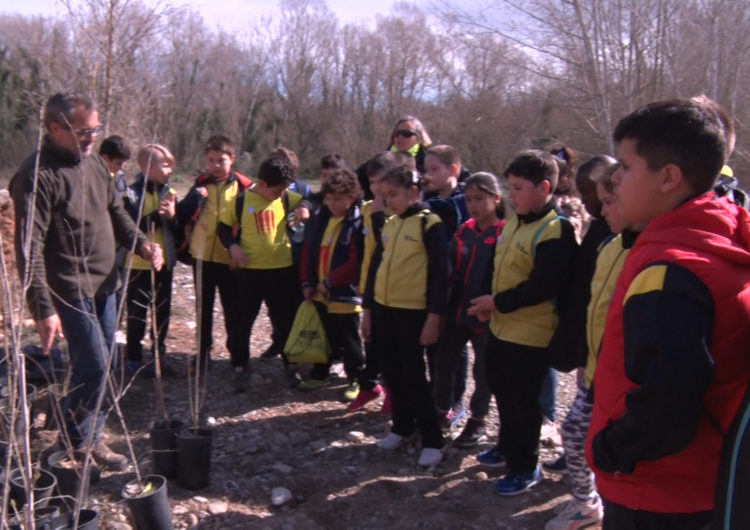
[194, 457]
[44, 518]
[164, 447]
[87, 520]
[5, 405]
[67, 467]
[44, 483]
[148, 504]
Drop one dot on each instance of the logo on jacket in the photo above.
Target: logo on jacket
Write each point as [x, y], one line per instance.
[409, 237]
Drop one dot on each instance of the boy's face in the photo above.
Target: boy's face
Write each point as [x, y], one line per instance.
[398, 199]
[219, 164]
[610, 209]
[158, 170]
[525, 196]
[338, 203]
[638, 187]
[439, 177]
[114, 164]
[269, 193]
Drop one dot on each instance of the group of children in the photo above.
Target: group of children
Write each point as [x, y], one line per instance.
[403, 281]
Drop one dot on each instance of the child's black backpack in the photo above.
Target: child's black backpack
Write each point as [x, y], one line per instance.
[728, 186]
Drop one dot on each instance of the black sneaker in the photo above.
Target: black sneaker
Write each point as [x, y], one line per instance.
[472, 435]
[271, 353]
[556, 467]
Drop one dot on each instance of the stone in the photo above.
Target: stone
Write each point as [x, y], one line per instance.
[200, 499]
[283, 468]
[192, 520]
[180, 510]
[481, 475]
[355, 436]
[218, 507]
[280, 496]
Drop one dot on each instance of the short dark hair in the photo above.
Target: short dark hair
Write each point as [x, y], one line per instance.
[536, 166]
[290, 154]
[605, 177]
[115, 148]
[275, 170]
[447, 154]
[402, 177]
[343, 182]
[687, 133]
[220, 143]
[382, 162]
[60, 108]
[333, 161]
[594, 167]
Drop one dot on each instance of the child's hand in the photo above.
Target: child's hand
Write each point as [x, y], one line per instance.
[430, 330]
[202, 191]
[152, 252]
[482, 307]
[301, 215]
[167, 207]
[322, 289]
[239, 258]
[308, 292]
[366, 326]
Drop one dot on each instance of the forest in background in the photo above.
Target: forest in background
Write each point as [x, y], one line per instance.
[492, 79]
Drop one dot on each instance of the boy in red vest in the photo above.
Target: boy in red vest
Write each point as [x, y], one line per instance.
[673, 364]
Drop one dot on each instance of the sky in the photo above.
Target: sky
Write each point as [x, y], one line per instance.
[230, 15]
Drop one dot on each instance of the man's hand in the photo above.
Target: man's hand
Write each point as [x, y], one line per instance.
[153, 252]
[239, 258]
[49, 328]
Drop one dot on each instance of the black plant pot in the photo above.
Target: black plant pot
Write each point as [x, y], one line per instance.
[164, 447]
[69, 473]
[6, 405]
[194, 457]
[44, 518]
[87, 520]
[149, 507]
[44, 483]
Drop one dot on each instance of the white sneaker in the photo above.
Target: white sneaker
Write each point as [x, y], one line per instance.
[393, 441]
[572, 515]
[430, 457]
[548, 430]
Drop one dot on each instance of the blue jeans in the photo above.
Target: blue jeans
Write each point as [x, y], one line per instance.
[548, 399]
[89, 327]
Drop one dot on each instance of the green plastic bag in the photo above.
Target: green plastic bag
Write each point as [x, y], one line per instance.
[307, 342]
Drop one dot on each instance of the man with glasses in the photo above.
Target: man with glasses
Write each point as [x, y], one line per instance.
[68, 218]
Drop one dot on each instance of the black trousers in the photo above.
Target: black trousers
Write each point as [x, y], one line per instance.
[413, 406]
[210, 276]
[618, 517]
[369, 375]
[514, 375]
[450, 367]
[279, 289]
[140, 294]
[342, 330]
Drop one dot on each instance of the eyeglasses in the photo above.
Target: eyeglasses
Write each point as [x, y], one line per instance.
[81, 133]
[404, 133]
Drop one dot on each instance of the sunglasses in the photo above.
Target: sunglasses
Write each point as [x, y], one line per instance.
[81, 133]
[404, 133]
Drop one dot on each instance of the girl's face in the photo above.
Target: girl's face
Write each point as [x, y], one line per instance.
[405, 136]
[481, 205]
[375, 185]
[437, 175]
[398, 199]
[611, 210]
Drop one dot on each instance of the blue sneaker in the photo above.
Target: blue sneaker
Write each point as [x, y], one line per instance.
[516, 483]
[491, 458]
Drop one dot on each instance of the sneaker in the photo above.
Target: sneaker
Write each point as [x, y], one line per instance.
[548, 430]
[430, 457]
[271, 353]
[105, 456]
[517, 483]
[143, 370]
[556, 467]
[491, 458]
[572, 515]
[352, 391]
[364, 397]
[240, 378]
[393, 441]
[385, 410]
[312, 384]
[472, 435]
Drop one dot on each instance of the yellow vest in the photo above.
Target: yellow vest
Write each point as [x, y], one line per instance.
[514, 261]
[608, 266]
[263, 233]
[150, 205]
[204, 243]
[401, 279]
